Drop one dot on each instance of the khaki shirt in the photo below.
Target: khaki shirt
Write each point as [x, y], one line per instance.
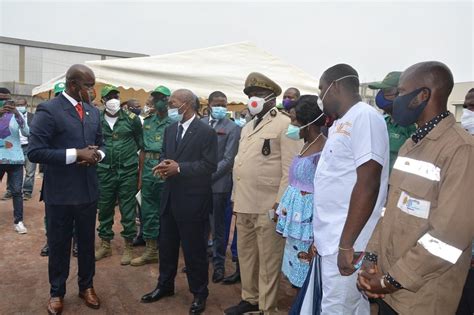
[424, 239]
[260, 180]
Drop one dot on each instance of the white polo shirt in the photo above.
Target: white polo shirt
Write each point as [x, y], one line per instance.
[356, 138]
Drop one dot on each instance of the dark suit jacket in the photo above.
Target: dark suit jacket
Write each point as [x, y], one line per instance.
[228, 136]
[55, 128]
[188, 195]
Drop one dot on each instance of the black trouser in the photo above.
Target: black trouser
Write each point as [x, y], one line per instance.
[61, 221]
[466, 305]
[217, 219]
[193, 238]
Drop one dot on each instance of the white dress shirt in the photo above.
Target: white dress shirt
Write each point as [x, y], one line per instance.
[71, 154]
[186, 125]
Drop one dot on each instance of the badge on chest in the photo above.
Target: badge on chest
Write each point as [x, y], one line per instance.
[417, 207]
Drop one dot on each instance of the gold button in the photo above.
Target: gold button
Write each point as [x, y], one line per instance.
[238, 178]
[240, 164]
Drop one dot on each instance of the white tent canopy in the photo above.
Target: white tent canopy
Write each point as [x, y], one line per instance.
[203, 71]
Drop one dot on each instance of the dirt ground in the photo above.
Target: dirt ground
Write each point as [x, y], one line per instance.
[24, 287]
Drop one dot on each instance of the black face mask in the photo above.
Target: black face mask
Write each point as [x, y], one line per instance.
[402, 113]
[135, 110]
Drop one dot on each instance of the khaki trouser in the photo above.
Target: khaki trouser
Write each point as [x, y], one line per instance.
[260, 255]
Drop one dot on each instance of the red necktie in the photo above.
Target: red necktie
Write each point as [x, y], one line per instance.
[79, 110]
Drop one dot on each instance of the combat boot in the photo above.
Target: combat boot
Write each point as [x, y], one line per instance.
[104, 250]
[127, 255]
[149, 256]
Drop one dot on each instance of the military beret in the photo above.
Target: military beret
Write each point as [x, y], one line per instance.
[258, 80]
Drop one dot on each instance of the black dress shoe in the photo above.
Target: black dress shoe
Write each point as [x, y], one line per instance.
[138, 241]
[156, 295]
[218, 275]
[198, 306]
[45, 250]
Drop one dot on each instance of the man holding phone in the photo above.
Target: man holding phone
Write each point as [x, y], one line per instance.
[12, 159]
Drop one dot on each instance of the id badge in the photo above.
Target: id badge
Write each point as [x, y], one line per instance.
[417, 207]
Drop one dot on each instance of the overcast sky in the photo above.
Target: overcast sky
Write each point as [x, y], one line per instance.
[375, 37]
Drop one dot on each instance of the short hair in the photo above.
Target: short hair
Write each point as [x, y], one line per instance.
[215, 94]
[21, 98]
[197, 102]
[470, 91]
[432, 74]
[297, 92]
[131, 101]
[342, 70]
[307, 109]
[4, 90]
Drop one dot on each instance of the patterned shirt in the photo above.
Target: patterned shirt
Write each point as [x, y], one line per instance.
[424, 130]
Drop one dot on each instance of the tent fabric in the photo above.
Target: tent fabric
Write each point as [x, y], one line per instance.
[203, 71]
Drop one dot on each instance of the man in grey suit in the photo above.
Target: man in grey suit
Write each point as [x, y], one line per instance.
[228, 135]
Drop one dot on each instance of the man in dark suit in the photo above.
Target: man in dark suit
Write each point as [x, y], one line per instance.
[189, 158]
[66, 137]
[228, 135]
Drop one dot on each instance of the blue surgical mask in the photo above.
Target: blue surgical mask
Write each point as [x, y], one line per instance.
[21, 109]
[402, 114]
[218, 112]
[381, 101]
[174, 115]
[293, 131]
[240, 122]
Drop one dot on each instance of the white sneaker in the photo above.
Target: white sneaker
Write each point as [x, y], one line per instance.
[20, 228]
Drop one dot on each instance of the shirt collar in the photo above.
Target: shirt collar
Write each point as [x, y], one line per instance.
[424, 130]
[187, 122]
[70, 99]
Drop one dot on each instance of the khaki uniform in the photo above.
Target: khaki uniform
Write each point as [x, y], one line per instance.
[260, 177]
[424, 239]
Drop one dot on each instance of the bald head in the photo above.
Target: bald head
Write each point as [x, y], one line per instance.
[185, 96]
[79, 72]
[80, 80]
[434, 75]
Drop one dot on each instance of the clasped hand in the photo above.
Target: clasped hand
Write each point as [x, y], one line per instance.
[88, 156]
[166, 168]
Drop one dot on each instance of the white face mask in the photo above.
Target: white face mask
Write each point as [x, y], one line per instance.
[467, 120]
[321, 99]
[112, 106]
[255, 103]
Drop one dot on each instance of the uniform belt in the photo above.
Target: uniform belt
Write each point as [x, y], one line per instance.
[153, 155]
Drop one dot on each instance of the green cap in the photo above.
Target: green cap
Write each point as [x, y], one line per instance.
[390, 81]
[161, 89]
[107, 89]
[59, 87]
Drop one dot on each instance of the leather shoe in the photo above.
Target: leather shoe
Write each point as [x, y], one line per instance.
[55, 305]
[45, 250]
[90, 298]
[198, 306]
[218, 275]
[156, 295]
[138, 241]
[232, 279]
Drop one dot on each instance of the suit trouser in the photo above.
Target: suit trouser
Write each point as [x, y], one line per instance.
[260, 256]
[61, 219]
[121, 184]
[217, 220]
[340, 293]
[193, 238]
[228, 225]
